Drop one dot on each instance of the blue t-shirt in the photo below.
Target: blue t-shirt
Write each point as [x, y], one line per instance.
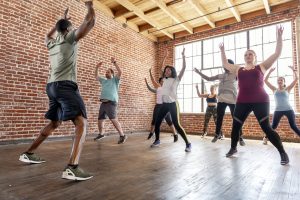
[110, 88]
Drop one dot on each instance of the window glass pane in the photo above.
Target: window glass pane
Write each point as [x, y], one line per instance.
[269, 34]
[283, 68]
[188, 50]
[207, 61]
[187, 77]
[217, 60]
[197, 62]
[255, 37]
[269, 49]
[286, 49]
[262, 40]
[241, 39]
[188, 91]
[217, 42]
[189, 64]
[197, 48]
[229, 42]
[230, 54]
[207, 46]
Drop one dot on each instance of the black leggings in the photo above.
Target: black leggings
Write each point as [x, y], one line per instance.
[155, 114]
[174, 111]
[261, 112]
[291, 118]
[221, 107]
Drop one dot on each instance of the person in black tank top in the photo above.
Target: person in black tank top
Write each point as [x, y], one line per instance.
[211, 109]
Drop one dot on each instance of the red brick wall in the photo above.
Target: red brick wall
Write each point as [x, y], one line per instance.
[24, 67]
[193, 123]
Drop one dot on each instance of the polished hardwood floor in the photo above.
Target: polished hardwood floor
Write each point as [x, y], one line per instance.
[135, 171]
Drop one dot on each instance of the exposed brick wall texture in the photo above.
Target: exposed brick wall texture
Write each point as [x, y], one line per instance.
[24, 68]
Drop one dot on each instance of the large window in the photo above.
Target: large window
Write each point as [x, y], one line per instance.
[205, 55]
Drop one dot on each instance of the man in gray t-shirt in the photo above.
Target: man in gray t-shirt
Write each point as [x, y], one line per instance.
[227, 95]
[65, 102]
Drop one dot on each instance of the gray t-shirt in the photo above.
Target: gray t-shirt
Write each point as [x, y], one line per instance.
[227, 88]
[63, 54]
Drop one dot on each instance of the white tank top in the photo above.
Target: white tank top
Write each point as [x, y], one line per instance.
[169, 90]
[159, 95]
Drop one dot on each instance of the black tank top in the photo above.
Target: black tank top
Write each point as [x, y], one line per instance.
[212, 99]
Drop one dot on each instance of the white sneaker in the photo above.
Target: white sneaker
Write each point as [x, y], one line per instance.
[265, 141]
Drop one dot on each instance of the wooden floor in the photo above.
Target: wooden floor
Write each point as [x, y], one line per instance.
[135, 171]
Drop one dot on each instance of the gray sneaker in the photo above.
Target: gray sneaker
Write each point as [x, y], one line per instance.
[242, 142]
[76, 174]
[122, 139]
[31, 158]
[99, 137]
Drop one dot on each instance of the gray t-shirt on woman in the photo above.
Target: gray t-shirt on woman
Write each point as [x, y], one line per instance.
[227, 87]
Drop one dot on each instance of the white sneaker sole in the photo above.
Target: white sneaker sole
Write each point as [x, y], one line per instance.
[24, 158]
[68, 174]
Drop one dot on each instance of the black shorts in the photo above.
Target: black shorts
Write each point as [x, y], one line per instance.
[155, 115]
[65, 102]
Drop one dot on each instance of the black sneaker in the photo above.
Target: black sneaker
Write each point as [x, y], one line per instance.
[242, 142]
[284, 158]
[99, 137]
[31, 158]
[175, 138]
[231, 152]
[150, 136]
[122, 139]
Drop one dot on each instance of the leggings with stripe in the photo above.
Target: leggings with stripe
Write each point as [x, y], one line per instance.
[174, 111]
[261, 112]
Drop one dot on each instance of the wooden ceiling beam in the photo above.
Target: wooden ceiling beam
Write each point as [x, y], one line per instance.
[202, 12]
[120, 11]
[248, 16]
[155, 9]
[173, 14]
[233, 9]
[267, 6]
[145, 27]
[130, 6]
[103, 8]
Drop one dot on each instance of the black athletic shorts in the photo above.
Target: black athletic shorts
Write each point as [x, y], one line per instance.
[65, 102]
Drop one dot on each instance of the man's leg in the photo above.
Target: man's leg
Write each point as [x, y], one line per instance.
[101, 118]
[29, 156]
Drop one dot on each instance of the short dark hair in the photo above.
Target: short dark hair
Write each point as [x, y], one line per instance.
[230, 61]
[174, 73]
[111, 71]
[62, 25]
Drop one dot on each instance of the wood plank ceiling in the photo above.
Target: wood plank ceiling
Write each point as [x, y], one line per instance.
[161, 20]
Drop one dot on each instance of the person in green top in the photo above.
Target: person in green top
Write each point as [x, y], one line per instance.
[109, 99]
[65, 102]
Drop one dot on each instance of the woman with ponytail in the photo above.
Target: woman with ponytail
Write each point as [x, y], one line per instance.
[283, 107]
